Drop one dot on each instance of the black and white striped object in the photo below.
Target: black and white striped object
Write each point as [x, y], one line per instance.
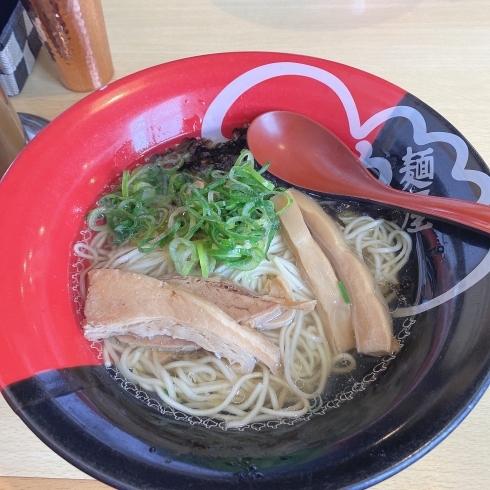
[19, 46]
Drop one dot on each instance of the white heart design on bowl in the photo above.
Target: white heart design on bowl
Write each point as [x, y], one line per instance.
[217, 110]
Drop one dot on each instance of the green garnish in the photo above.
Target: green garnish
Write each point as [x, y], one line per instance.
[343, 291]
[316, 404]
[204, 218]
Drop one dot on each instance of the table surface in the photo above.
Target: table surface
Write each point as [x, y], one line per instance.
[439, 50]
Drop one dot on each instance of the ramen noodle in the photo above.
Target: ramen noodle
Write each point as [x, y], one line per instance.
[211, 382]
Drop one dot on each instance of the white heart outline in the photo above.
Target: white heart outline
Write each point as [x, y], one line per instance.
[217, 110]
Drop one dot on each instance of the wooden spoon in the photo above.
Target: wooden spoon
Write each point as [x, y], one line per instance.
[305, 154]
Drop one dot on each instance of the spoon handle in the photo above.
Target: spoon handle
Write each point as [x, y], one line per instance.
[464, 213]
[305, 154]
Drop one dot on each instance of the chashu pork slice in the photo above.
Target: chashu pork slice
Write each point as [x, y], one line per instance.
[160, 342]
[242, 305]
[126, 303]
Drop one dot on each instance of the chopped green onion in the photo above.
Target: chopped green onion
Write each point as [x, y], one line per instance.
[266, 183]
[205, 261]
[228, 218]
[343, 291]
[184, 255]
[124, 183]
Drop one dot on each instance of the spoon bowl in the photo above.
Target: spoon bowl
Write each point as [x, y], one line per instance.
[308, 155]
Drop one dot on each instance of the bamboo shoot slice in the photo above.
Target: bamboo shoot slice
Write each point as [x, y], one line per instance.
[331, 307]
[373, 326]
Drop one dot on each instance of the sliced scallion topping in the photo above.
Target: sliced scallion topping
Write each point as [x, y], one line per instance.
[204, 218]
[343, 291]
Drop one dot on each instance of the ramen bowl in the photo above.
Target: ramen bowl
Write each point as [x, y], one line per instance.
[375, 424]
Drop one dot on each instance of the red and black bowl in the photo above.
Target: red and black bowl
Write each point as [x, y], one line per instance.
[56, 381]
